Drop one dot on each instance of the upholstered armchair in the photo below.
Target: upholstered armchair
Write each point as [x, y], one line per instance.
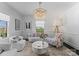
[18, 43]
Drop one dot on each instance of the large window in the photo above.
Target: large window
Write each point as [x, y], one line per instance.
[4, 24]
[3, 28]
[40, 26]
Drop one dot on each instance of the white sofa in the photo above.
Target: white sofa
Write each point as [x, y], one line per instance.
[33, 39]
[11, 52]
[51, 41]
[11, 47]
[5, 44]
[8, 43]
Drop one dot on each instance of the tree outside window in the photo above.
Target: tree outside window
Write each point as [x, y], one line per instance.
[40, 26]
[3, 28]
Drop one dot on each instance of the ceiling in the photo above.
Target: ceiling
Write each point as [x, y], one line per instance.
[27, 8]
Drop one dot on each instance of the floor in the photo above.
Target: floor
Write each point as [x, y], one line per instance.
[52, 51]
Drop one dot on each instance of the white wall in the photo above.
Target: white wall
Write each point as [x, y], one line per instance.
[5, 9]
[49, 21]
[48, 24]
[71, 24]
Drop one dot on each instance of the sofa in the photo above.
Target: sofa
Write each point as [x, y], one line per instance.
[11, 52]
[5, 44]
[50, 40]
[14, 42]
[33, 39]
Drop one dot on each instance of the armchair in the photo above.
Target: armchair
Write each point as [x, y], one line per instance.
[18, 43]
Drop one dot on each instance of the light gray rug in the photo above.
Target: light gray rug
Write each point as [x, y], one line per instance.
[52, 51]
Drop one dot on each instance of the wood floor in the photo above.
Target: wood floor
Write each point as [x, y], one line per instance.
[52, 51]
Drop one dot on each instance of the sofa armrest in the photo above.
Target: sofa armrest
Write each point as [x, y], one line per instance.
[11, 52]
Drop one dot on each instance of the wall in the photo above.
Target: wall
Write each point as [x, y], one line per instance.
[48, 24]
[5, 9]
[30, 18]
[71, 30]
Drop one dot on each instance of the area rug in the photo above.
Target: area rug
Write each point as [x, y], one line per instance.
[52, 51]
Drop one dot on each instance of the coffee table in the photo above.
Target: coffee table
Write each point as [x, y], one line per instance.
[40, 47]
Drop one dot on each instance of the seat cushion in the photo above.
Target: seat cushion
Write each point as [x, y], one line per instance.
[33, 39]
[51, 41]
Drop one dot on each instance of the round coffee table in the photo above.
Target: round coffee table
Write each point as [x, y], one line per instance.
[40, 47]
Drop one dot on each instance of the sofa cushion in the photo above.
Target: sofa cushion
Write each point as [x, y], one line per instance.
[33, 39]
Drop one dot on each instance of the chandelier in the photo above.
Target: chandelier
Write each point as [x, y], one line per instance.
[39, 13]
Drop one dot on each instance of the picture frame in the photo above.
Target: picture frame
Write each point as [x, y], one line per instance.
[17, 24]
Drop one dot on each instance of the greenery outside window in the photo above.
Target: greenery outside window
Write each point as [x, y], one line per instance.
[40, 26]
[3, 28]
[4, 25]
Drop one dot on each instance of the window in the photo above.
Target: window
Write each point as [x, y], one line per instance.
[3, 28]
[40, 26]
[4, 24]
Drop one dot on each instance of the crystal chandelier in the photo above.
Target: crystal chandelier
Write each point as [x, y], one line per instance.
[39, 13]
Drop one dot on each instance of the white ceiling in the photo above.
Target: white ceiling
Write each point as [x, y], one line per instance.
[27, 8]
